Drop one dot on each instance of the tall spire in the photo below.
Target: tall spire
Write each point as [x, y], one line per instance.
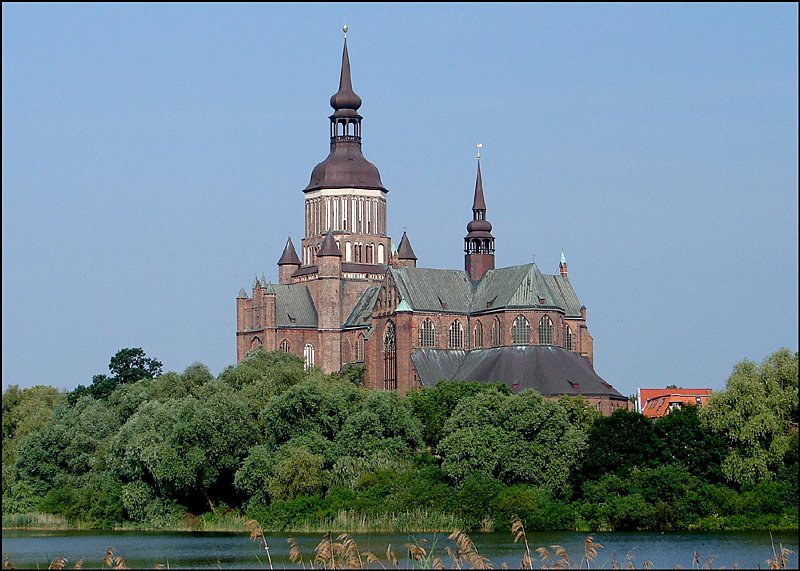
[478, 203]
[479, 242]
[345, 98]
[345, 166]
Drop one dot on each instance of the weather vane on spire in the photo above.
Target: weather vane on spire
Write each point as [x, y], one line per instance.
[344, 29]
[479, 146]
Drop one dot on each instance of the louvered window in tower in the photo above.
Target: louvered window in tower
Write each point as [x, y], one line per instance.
[520, 331]
[456, 335]
[427, 334]
[545, 331]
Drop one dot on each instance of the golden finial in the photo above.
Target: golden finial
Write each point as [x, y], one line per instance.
[479, 146]
[344, 29]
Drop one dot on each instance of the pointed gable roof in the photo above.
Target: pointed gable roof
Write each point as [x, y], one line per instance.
[524, 286]
[329, 247]
[426, 289]
[289, 256]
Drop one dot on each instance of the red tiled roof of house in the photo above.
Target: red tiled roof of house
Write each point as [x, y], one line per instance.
[655, 403]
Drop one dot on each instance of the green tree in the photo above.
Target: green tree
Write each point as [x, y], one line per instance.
[687, 441]
[433, 406]
[132, 364]
[297, 472]
[24, 412]
[619, 443]
[757, 413]
[515, 438]
[581, 413]
[311, 406]
[189, 447]
[383, 423]
[127, 366]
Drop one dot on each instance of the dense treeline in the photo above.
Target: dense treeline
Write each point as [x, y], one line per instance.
[298, 449]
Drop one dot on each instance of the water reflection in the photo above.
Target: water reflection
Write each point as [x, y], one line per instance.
[33, 549]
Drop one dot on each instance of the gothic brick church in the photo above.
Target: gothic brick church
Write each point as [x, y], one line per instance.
[353, 297]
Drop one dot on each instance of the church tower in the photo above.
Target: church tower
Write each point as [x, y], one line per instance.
[479, 242]
[345, 194]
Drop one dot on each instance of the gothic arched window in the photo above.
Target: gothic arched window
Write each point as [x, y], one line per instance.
[455, 338]
[496, 332]
[545, 331]
[360, 348]
[285, 345]
[477, 336]
[568, 343]
[308, 354]
[427, 334]
[389, 358]
[255, 342]
[520, 331]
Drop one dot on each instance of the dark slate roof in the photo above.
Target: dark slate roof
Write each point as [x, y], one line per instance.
[363, 308]
[548, 369]
[329, 247]
[434, 290]
[359, 268]
[289, 256]
[293, 302]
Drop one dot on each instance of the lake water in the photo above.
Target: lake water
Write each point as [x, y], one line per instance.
[36, 549]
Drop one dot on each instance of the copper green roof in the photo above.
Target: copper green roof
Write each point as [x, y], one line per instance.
[520, 287]
[294, 306]
[523, 287]
[433, 290]
[362, 312]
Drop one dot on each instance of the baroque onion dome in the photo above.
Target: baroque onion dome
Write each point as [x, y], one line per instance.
[345, 166]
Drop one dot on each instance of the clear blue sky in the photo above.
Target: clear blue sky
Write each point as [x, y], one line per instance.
[154, 157]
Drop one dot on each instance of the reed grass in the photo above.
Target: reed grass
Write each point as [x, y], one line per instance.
[38, 520]
[352, 521]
